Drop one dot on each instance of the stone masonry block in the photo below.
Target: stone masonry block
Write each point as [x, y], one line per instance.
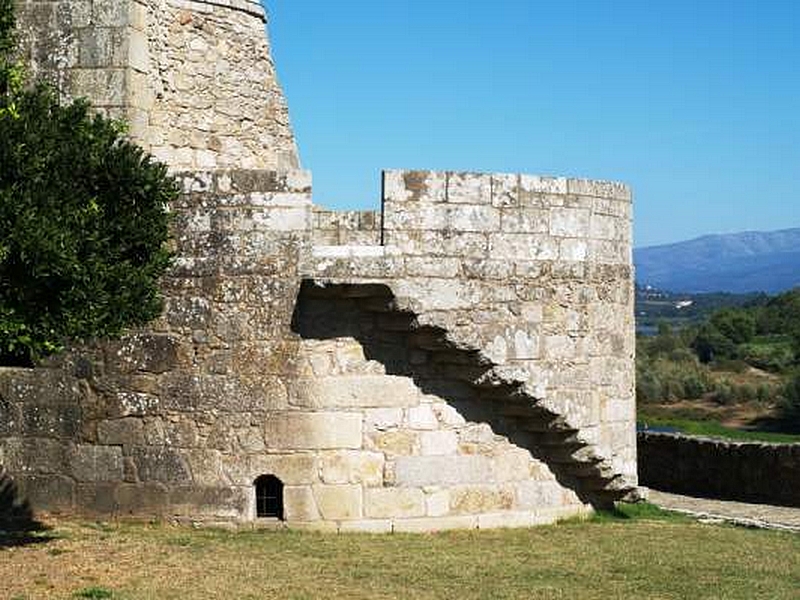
[396, 443]
[428, 524]
[542, 185]
[339, 502]
[437, 502]
[505, 190]
[422, 417]
[519, 247]
[480, 499]
[572, 250]
[96, 463]
[569, 222]
[599, 189]
[364, 391]
[538, 494]
[470, 188]
[381, 419]
[416, 471]
[299, 504]
[110, 13]
[121, 432]
[382, 503]
[291, 469]
[161, 465]
[106, 87]
[314, 430]
[352, 467]
[436, 443]
[413, 186]
[525, 220]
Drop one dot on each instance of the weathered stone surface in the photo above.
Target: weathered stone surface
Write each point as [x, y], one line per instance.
[442, 470]
[300, 504]
[381, 503]
[96, 463]
[352, 467]
[339, 502]
[365, 391]
[323, 430]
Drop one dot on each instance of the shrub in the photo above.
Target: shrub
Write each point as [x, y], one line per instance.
[711, 344]
[663, 380]
[791, 401]
[83, 222]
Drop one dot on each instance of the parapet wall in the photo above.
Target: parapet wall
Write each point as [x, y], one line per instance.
[347, 228]
[195, 79]
[706, 467]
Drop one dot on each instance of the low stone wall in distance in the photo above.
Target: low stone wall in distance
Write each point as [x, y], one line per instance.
[745, 471]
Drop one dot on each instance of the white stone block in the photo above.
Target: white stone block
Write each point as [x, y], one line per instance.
[422, 417]
[437, 443]
[315, 430]
[429, 524]
[339, 502]
[442, 470]
[437, 503]
[569, 222]
[394, 503]
[536, 184]
[349, 466]
[382, 419]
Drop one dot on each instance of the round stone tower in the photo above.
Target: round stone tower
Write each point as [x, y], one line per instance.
[194, 78]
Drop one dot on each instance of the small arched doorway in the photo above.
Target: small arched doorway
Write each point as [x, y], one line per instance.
[269, 497]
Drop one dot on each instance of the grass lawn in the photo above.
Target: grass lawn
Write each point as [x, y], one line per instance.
[641, 554]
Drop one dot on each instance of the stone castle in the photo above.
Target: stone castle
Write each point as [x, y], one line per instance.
[462, 358]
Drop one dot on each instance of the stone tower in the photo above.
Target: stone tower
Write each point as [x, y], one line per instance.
[462, 358]
[195, 79]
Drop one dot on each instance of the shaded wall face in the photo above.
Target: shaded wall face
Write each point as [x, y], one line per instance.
[195, 80]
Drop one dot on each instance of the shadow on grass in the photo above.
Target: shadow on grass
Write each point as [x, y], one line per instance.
[634, 512]
[18, 525]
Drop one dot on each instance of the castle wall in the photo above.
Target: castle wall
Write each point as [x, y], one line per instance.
[242, 376]
[464, 358]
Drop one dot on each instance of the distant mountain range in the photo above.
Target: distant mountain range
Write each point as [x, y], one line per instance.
[739, 262]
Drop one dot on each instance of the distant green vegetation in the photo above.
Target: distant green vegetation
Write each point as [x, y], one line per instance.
[715, 358]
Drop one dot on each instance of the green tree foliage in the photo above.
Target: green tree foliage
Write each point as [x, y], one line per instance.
[738, 325]
[83, 220]
[711, 344]
[791, 407]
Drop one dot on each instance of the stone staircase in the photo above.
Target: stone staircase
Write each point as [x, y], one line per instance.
[395, 334]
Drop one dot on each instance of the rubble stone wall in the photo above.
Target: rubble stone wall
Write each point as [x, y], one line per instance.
[194, 79]
[705, 467]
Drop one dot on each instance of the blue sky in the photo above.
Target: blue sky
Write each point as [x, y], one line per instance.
[694, 104]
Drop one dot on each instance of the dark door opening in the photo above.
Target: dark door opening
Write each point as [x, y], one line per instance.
[269, 497]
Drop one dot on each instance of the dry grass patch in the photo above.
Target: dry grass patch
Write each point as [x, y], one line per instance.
[645, 557]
